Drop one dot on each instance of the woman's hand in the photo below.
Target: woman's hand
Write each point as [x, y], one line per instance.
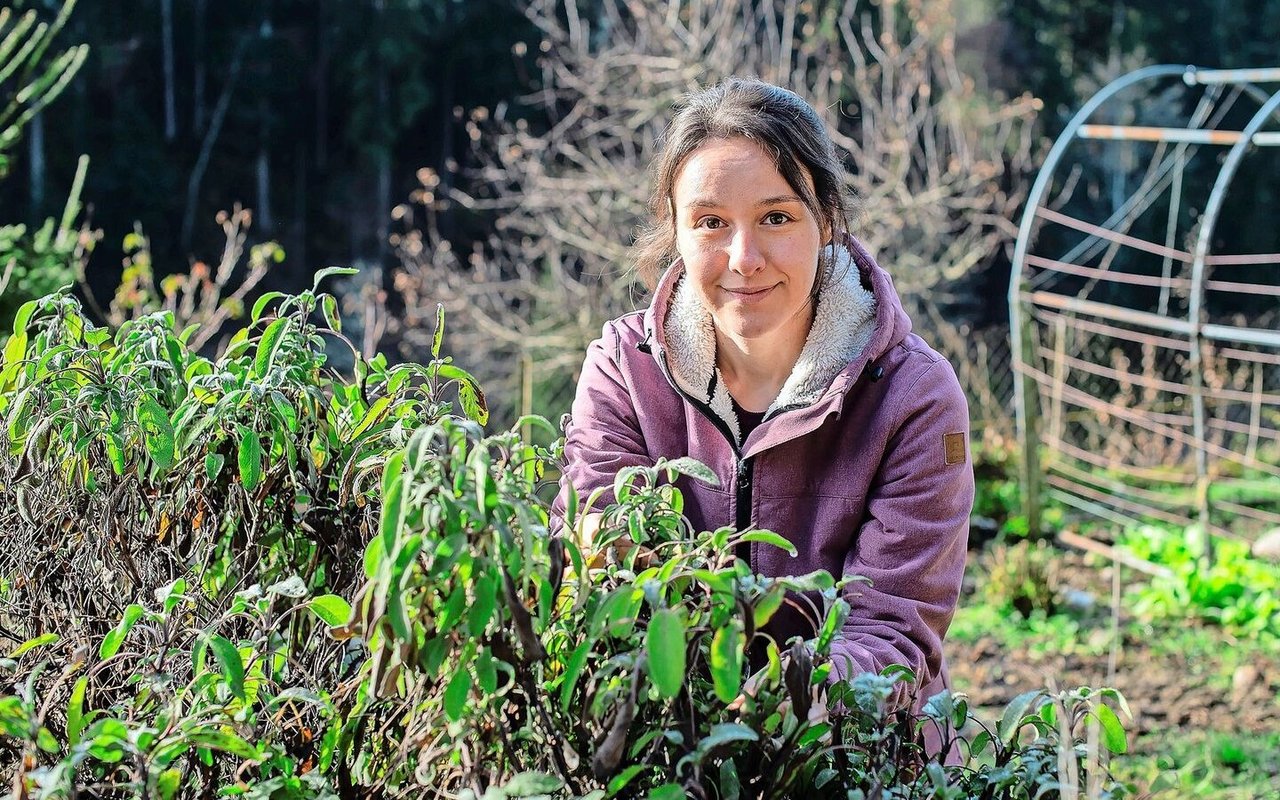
[617, 550]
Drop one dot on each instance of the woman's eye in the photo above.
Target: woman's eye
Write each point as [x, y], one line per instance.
[776, 218]
[711, 223]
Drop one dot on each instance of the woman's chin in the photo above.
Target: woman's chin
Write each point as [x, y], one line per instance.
[746, 330]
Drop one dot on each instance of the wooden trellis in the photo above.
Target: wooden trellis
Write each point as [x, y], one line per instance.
[1146, 341]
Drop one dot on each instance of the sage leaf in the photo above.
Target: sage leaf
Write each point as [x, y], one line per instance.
[249, 458]
[664, 643]
[726, 662]
[1112, 729]
[455, 695]
[232, 666]
[330, 608]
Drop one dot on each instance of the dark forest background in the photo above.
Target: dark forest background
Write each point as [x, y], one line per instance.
[317, 114]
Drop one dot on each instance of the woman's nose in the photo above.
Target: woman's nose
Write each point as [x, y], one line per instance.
[745, 257]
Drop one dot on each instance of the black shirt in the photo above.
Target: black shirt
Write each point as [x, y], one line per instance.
[748, 421]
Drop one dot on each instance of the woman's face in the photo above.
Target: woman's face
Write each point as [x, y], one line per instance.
[749, 243]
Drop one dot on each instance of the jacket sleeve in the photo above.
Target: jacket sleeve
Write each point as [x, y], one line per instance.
[603, 433]
[913, 542]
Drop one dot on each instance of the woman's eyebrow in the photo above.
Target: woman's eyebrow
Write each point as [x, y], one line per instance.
[701, 202]
[782, 198]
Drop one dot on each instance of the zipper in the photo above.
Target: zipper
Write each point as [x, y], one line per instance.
[742, 502]
[744, 472]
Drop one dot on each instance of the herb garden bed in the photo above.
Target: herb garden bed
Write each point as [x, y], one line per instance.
[1206, 702]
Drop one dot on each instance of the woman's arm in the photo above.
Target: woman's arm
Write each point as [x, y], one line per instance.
[912, 546]
[603, 435]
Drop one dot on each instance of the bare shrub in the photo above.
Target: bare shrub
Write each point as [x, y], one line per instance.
[939, 167]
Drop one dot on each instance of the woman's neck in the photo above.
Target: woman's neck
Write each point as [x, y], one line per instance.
[754, 370]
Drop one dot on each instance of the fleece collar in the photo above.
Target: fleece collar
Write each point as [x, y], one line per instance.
[843, 326]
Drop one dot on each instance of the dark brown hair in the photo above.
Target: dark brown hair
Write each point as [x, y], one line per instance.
[784, 125]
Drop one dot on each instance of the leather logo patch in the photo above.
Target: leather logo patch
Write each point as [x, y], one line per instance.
[953, 448]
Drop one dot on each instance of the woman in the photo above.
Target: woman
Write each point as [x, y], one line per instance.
[776, 352]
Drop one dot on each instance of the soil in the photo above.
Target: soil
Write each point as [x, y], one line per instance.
[1233, 688]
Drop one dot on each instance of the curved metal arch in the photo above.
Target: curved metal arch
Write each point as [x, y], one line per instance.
[1194, 328]
[1029, 466]
[1208, 222]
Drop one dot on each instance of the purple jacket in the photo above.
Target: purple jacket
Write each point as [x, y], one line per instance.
[862, 462]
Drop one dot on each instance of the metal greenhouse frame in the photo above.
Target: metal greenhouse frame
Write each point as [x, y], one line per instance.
[1147, 348]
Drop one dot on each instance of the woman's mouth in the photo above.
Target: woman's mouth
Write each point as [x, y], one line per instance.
[748, 294]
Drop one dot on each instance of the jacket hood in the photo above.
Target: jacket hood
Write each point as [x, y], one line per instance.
[859, 317]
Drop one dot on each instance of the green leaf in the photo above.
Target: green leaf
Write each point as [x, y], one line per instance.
[106, 740]
[836, 616]
[1049, 713]
[268, 345]
[14, 350]
[664, 643]
[726, 662]
[167, 783]
[573, 670]
[730, 783]
[46, 741]
[483, 602]
[329, 271]
[227, 742]
[392, 501]
[769, 537]
[75, 710]
[397, 610]
[157, 432]
[284, 411]
[1012, 718]
[377, 410]
[667, 791]
[469, 393]
[171, 594]
[1112, 729]
[528, 784]
[332, 609]
[23, 317]
[818, 580]
[725, 733]
[768, 605]
[473, 402]
[438, 337]
[110, 643]
[232, 666]
[249, 458]
[692, 467]
[213, 465]
[455, 695]
[329, 308]
[1115, 695]
[261, 304]
[620, 781]
[115, 452]
[115, 637]
[486, 672]
[980, 743]
[373, 554]
[31, 644]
